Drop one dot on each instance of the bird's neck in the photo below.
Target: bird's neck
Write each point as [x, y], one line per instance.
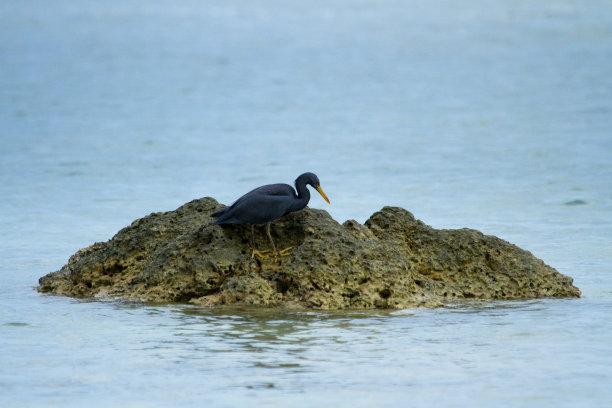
[303, 196]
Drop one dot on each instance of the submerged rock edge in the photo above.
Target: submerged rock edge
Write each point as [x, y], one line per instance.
[392, 261]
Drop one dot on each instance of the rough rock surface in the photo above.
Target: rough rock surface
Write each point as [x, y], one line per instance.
[393, 261]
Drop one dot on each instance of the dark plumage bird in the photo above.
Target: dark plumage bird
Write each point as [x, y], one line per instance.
[267, 203]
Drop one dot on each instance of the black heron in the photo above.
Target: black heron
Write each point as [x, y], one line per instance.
[268, 203]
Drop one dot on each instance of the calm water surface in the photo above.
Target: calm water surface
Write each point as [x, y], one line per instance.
[490, 115]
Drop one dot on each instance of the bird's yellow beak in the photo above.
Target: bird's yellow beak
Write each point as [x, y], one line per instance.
[322, 194]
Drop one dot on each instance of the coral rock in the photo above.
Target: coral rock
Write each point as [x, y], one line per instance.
[393, 261]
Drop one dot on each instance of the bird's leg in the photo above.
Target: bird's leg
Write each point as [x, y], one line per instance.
[276, 253]
[256, 252]
[270, 236]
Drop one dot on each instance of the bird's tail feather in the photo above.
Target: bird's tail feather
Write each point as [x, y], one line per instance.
[219, 213]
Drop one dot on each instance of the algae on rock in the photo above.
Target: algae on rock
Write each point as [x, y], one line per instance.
[393, 261]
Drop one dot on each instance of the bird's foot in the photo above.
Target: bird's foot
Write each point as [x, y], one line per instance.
[261, 254]
[284, 252]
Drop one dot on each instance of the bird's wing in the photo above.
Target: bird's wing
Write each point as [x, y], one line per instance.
[267, 191]
[263, 204]
[275, 190]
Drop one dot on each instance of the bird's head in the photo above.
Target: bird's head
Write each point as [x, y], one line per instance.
[313, 180]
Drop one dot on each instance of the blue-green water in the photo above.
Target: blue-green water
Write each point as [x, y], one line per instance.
[490, 115]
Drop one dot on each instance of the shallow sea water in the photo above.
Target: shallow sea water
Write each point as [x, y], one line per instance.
[489, 115]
